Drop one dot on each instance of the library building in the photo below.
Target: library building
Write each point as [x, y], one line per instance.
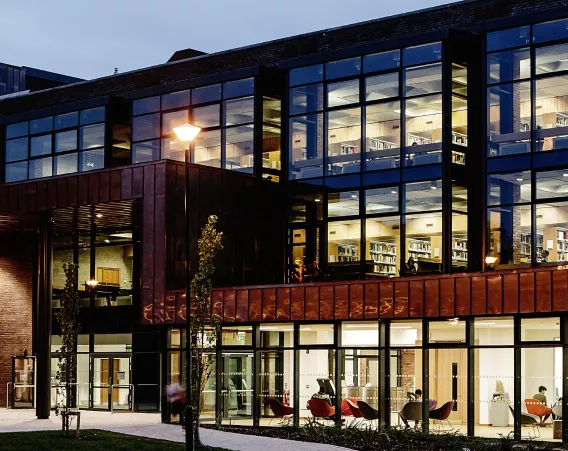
[393, 197]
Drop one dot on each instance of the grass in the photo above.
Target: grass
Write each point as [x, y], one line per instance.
[90, 440]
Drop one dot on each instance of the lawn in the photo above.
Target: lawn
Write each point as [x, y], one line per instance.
[90, 440]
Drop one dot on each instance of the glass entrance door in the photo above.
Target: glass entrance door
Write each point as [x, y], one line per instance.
[23, 369]
[110, 386]
[238, 386]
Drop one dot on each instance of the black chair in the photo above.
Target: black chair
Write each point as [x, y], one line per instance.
[367, 411]
[529, 420]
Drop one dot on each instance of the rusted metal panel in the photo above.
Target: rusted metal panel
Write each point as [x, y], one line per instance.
[269, 304]
[447, 297]
[341, 302]
[560, 291]
[217, 305]
[543, 291]
[432, 297]
[255, 304]
[298, 303]
[494, 295]
[478, 296]
[242, 306]
[526, 292]
[401, 299]
[283, 304]
[229, 305]
[356, 301]
[510, 293]
[312, 303]
[416, 301]
[326, 302]
[371, 300]
[386, 299]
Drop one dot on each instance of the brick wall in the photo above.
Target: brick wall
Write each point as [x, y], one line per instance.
[16, 300]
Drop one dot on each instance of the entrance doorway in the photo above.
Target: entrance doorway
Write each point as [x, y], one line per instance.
[238, 385]
[23, 385]
[111, 387]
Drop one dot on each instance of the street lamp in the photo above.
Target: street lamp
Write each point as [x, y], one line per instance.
[186, 133]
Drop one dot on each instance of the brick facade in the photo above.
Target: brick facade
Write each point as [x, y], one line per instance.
[16, 302]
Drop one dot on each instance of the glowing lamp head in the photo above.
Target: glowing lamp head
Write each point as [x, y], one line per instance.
[489, 260]
[186, 132]
[92, 283]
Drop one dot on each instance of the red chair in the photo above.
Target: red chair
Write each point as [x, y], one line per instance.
[320, 408]
[537, 408]
[352, 407]
[278, 409]
[442, 414]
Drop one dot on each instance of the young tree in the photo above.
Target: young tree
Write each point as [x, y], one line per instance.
[203, 328]
[68, 319]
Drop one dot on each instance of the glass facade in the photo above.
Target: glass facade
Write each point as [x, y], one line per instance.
[55, 145]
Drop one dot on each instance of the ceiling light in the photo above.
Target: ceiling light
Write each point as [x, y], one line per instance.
[317, 200]
[107, 241]
[354, 196]
[490, 260]
[433, 185]
[454, 321]
[393, 191]
[98, 215]
[519, 179]
[565, 174]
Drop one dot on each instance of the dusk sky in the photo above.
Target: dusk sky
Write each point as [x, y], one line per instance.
[88, 39]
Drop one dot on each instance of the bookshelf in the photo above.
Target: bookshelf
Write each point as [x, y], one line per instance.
[384, 255]
[562, 245]
[418, 248]
[526, 247]
[459, 248]
[459, 139]
[347, 253]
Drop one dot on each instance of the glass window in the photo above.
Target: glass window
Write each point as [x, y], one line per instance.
[306, 99]
[40, 145]
[406, 333]
[551, 109]
[451, 331]
[316, 334]
[42, 125]
[175, 100]
[344, 141]
[306, 208]
[494, 331]
[422, 54]
[381, 61]
[423, 196]
[382, 136]
[236, 336]
[112, 342]
[207, 149]
[381, 87]
[381, 200]
[207, 116]
[506, 39]
[423, 80]
[16, 149]
[360, 333]
[144, 106]
[91, 160]
[552, 226]
[16, 130]
[305, 75]
[510, 188]
[94, 115]
[146, 151]
[343, 204]
[277, 335]
[145, 127]
[239, 148]
[540, 329]
[16, 172]
[509, 119]
[424, 130]
[459, 241]
[92, 136]
[41, 167]
[342, 93]
[509, 234]
[306, 146]
[173, 149]
[238, 88]
[66, 164]
[509, 65]
[424, 242]
[239, 111]
[383, 245]
[172, 120]
[66, 141]
[550, 31]
[343, 68]
[66, 120]
[551, 184]
[551, 59]
[206, 94]
[459, 125]
[343, 240]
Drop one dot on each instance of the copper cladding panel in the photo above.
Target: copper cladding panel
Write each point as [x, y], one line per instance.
[494, 295]
[401, 299]
[447, 297]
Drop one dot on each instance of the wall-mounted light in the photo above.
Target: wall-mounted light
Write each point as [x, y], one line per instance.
[92, 283]
[490, 260]
[98, 216]
[454, 321]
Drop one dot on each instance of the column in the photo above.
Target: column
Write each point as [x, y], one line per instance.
[44, 312]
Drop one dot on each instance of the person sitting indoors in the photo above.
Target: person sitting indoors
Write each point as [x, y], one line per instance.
[544, 256]
[541, 396]
[321, 394]
[417, 398]
[418, 395]
[410, 265]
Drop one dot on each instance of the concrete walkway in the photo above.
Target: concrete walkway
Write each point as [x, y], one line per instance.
[149, 425]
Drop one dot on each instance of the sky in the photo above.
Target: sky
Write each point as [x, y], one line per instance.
[89, 38]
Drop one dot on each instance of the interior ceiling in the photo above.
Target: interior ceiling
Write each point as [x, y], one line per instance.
[112, 215]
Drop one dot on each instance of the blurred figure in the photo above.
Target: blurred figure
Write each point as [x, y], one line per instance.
[177, 398]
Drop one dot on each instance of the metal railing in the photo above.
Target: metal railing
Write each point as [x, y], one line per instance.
[14, 386]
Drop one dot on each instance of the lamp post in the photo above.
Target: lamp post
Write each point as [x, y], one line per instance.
[186, 133]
